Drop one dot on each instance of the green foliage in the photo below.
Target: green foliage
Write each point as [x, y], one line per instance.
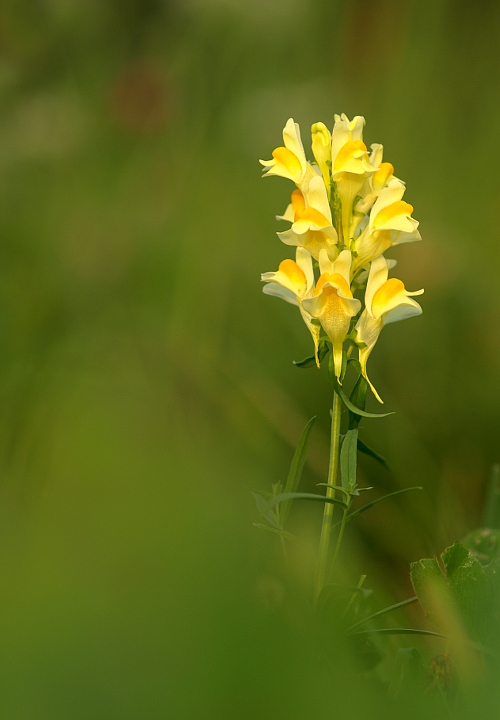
[464, 588]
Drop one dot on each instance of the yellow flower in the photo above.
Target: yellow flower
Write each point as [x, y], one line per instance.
[322, 150]
[390, 224]
[386, 301]
[333, 304]
[293, 282]
[350, 165]
[311, 219]
[384, 172]
[288, 161]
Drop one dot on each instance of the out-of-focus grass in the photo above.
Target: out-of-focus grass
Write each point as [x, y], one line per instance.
[147, 384]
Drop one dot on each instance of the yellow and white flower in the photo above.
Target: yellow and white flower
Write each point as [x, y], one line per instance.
[293, 282]
[384, 172]
[289, 161]
[386, 301]
[322, 151]
[350, 165]
[390, 224]
[311, 219]
[333, 304]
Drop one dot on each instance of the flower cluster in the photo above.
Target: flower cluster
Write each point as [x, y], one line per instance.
[347, 210]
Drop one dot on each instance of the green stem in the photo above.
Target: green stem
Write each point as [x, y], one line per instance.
[326, 529]
[341, 531]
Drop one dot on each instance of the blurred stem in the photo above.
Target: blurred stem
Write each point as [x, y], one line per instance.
[326, 529]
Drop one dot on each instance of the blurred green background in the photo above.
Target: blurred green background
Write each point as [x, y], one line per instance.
[147, 384]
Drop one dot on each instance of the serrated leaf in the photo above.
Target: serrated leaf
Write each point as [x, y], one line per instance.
[296, 468]
[367, 450]
[265, 510]
[348, 460]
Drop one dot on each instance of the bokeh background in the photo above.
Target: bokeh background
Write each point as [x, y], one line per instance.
[146, 383]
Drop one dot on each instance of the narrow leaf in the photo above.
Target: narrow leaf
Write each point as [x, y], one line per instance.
[265, 510]
[358, 399]
[409, 670]
[399, 631]
[367, 450]
[380, 613]
[349, 405]
[304, 496]
[379, 500]
[296, 467]
[277, 531]
[348, 460]
[323, 350]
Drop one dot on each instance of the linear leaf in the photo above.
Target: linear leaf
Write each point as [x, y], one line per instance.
[265, 510]
[348, 459]
[350, 406]
[304, 496]
[296, 467]
[323, 350]
[367, 450]
[399, 631]
[380, 613]
[379, 500]
[358, 399]
[277, 531]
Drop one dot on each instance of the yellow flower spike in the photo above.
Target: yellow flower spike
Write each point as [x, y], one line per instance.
[293, 282]
[288, 161]
[350, 166]
[333, 304]
[390, 224]
[311, 218]
[322, 150]
[386, 301]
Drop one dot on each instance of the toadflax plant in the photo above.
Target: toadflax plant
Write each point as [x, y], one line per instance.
[346, 211]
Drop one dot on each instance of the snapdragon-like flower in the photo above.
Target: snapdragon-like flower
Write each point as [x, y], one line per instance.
[293, 282]
[333, 304]
[390, 223]
[322, 151]
[386, 301]
[350, 165]
[384, 172]
[289, 161]
[311, 217]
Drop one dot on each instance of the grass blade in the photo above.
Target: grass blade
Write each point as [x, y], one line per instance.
[296, 467]
[380, 613]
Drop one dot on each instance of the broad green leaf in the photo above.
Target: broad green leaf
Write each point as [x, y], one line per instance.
[277, 531]
[408, 671]
[469, 587]
[484, 544]
[349, 405]
[491, 516]
[380, 613]
[265, 510]
[285, 497]
[367, 450]
[463, 589]
[358, 399]
[348, 460]
[430, 586]
[296, 467]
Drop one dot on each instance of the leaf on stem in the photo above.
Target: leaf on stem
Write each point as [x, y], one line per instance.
[296, 467]
[277, 531]
[323, 350]
[380, 613]
[358, 399]
[367, 450]
[304, 496]
[348, 460]
[265, 510]
[379, 500]
[350, 406]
